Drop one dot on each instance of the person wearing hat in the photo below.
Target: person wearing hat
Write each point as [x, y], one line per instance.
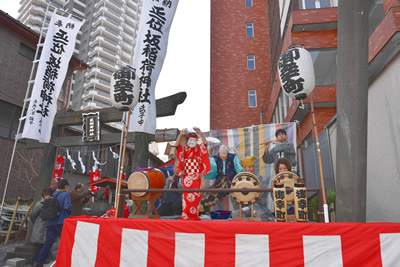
[248, 164]
[224, 168]
[265, 199]
[282, 149]
[193, 162]
[54, 227]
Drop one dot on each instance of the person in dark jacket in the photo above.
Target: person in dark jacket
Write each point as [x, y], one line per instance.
[79, 197]
[54, 227]
[171, 203]
[281, 150]
[38, 236]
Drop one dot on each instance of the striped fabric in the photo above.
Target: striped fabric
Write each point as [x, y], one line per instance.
[98, 241]
[249, 142]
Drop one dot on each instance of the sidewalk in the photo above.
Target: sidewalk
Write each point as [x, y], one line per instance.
[9, 248]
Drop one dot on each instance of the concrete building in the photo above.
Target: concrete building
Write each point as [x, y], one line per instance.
[240, 62]
[17, 51]
[106, 42]
[312, 24]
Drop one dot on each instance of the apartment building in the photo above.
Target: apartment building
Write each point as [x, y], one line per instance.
[106, 42]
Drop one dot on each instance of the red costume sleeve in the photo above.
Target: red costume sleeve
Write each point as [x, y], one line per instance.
[180, 158]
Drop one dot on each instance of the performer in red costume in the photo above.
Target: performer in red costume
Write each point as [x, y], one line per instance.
[193, 163]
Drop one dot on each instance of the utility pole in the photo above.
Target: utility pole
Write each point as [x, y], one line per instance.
[352, 107]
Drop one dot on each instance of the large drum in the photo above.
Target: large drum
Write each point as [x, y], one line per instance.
[246, 180]
[288, 179]
[146, 179]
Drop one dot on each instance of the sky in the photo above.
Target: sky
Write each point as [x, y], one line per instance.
[186, 67]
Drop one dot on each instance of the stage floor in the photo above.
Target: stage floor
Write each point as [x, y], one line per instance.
[94, 241]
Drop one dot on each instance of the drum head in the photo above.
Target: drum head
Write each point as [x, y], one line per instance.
[288, 179]
[245, 180]
[138, 180]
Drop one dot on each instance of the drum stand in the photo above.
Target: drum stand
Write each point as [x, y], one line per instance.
[152, 198]
[241, 218]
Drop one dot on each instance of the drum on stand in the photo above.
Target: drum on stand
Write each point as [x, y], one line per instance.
[246, 180]
[288, 179]
[146, 179]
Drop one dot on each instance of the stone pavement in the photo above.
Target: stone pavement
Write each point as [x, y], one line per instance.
[10, 248]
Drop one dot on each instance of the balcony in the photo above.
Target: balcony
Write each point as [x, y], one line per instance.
[128, 19]
[94, 105]
[97, 94]
[129, 28]
[315, 19]
[104, 63]
[105, 42]
[104, 52]
[114, 16]
[103, 20]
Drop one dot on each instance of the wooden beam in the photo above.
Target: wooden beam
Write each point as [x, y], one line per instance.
[165, 107]
[105, 139]
[75, 117]
[115, 138]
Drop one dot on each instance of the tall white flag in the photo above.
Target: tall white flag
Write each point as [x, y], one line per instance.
[151, 47]
[53, 65]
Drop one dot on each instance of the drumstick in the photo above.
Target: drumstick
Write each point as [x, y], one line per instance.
[170, 184]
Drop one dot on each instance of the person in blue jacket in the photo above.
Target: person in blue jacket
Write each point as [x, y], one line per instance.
[224, 168]
[54, 227]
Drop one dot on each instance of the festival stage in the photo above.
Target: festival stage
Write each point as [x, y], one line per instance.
[93, 241]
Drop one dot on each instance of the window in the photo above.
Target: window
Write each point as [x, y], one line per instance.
[324, 66]
[252, 98]
[26, 51]
[311, 4]
[251, 62]
[249, 30]
[9, 119]
[249, 3]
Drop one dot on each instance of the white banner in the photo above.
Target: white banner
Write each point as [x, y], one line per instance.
[151, 47]
[56, 53]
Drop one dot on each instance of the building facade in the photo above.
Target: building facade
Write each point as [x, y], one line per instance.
[17, 51]
[106, 42]
[240, 62]
[313, 25]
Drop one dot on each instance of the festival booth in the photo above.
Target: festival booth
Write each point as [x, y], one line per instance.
[89, 241]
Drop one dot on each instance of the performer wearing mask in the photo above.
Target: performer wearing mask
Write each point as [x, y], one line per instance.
[224, 168]
[193, 163]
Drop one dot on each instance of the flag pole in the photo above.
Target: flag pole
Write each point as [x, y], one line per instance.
[325, 205]
[121, 144]
[118, 191]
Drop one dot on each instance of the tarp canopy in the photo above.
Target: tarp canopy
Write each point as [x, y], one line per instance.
[249, 141]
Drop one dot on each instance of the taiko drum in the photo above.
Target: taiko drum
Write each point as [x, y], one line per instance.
[146, 179]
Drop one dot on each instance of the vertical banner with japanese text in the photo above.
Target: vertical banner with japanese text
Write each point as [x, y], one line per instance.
[94, 176]
[58, 169]
[53, 65]
[150, 51]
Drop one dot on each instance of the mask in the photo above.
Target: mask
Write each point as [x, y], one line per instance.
[192, 142]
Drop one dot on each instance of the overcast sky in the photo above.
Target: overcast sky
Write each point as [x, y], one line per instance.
[186, 66]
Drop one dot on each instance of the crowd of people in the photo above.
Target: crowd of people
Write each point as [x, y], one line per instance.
[46, 231]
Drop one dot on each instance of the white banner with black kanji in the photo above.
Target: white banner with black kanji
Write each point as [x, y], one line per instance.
[151, 47]
[53, 65]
